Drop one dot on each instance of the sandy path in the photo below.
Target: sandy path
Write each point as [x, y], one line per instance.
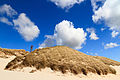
[48, 74]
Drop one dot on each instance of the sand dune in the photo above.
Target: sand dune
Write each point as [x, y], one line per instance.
[48, 74]
[64, 59]
[50, 64]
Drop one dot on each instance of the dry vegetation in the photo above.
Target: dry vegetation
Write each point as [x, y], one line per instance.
[64, 59]
[12, 52]
[107, 61]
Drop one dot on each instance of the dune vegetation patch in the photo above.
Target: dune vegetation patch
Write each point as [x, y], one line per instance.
[64, 59]
[107, 61]
[12, 52]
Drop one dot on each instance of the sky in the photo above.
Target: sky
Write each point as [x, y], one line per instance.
[89, 26]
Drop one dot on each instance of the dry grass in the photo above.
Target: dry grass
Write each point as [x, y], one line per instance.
[61, 58]
[12, 52]
[108, 61]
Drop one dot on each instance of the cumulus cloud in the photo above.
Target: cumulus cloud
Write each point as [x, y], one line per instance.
[26, 27]
[110, 13]
[5, 20]
[114, 34]
[65, 34]
[8, 10]
[66, 3]
[92, 36]
[23, 24]
[111, 45]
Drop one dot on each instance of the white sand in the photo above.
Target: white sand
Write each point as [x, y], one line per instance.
[48, 74]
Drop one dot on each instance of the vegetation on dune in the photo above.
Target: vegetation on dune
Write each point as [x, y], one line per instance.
[64, 59]
[107, 61]
[12, 52]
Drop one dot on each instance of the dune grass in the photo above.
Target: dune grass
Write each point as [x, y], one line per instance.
[64, 59]
[12, 52]
[107, 61]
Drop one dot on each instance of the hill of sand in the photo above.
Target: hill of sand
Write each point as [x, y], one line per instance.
[63, 59]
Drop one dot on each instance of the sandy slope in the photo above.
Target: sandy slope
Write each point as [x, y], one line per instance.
[48, 74]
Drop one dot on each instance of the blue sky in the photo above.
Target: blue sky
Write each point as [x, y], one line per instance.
[79, 24]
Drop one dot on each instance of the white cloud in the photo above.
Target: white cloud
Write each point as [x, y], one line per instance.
[49, 41]
[94, 54]
[66, 34]
[110, 13]
[26, 27]
[111, 45]
[92, 36]
[95, 5]
[23, 24]
[102, 29]
[114, 34]
[66, 3]
[8, 10]
[5, 20]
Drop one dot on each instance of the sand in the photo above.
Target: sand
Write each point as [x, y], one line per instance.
[48, 74]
